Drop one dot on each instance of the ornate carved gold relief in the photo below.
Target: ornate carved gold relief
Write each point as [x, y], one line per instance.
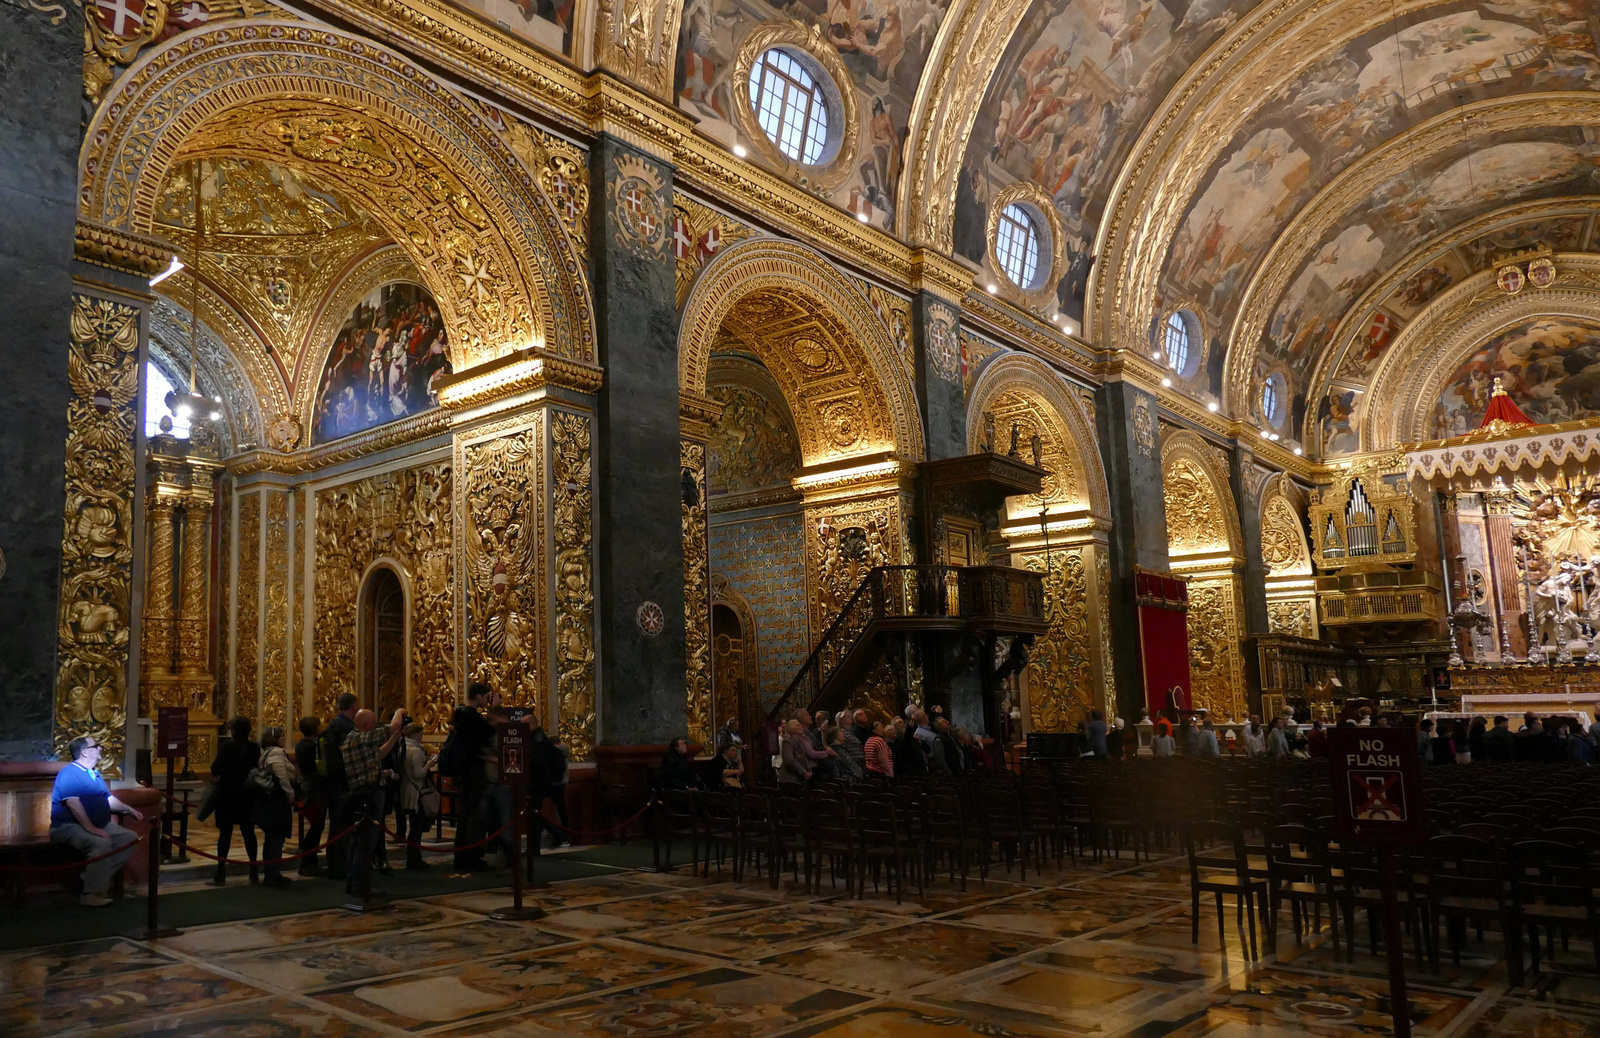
[1292, 618]
[1195, 522]
[562, 170]
[842, 545]
[1061, 663]
[503, 554]
[97, 540]
[405, 516]
[639, 196]
[698, 233]
[1144, 428]
[275, 659]
[490, 249]
[1283, 540]
[247, 659]
[1216, 666]
[571, 470]
[752, 442]
[637, 40]
[696, 593]
[1102, 568]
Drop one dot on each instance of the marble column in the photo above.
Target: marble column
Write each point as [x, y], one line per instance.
[1246, 480]
[940, 399]
[41, 78]
[1130, 449]
[639, 478]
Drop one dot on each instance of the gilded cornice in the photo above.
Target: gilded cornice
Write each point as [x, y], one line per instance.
[1427, 351]
[937, 273]
[121, 250]
[1199, 119]
[1355, 185]
[696, 414]
[1332, 357]
[406, 430]
[1011, 326]
[765, 497]
[513, 374]
[972, 39]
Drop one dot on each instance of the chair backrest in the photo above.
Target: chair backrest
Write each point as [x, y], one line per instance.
[1577, 836]
[829, 818]
[1464, 867]
[1215, 845]
[1485, 831]
[878, 821]
[1551, 873]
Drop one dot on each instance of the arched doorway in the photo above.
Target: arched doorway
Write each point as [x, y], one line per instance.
[383, 643]
[727, 662]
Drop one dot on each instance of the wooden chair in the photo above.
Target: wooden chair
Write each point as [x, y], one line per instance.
[678, 815]
[1553, 886]
[1222, 873]
[833, 840]
[885, 848]
[1003, 824]
[1358, 879]
[1466, 883]
[945, 834]
[720, 829]
[1298, 872]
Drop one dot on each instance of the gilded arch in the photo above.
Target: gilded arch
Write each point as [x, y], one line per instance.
[366, 588]
[1205, 544]
[1020, 383]
[1429, 349]
[485, 239]
[843, 371]
[1286, 555]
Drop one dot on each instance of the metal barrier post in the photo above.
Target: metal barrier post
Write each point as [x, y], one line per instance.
[517, 910]
[153, 930]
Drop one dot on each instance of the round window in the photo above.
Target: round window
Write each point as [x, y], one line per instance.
[1016, 246]
[791, 105]
[1273, 391]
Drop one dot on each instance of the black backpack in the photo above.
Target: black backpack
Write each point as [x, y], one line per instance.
[454, 761]
[330, 759]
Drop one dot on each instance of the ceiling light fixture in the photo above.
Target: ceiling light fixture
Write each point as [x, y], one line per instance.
[1212, 406]
[993, 289]
[1166, 383]
[1298, 452]
[739, 150]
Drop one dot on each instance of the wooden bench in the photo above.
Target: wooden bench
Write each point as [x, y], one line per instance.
[25, 843]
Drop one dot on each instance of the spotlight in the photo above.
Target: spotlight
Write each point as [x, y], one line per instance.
[862, 217]
[1212, 406]
[183, 411]
[739, 150]
[215, 415]
[1166, 383]
[1155, 354]
[1265, 435]
[1298, 452]
[993, 289]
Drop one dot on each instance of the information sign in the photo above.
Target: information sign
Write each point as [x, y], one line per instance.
[515, 744]
[172, 732]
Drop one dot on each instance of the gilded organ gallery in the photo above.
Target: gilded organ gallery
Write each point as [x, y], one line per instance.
[1006, 441]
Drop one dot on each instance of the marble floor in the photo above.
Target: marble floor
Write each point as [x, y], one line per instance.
[1095, 950]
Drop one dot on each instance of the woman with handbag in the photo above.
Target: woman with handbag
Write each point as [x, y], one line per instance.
[418, 798]
[272, 808]
[233, 763]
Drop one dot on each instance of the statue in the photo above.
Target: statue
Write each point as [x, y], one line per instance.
[1016, 435]
[987, 446]
[1038, 450]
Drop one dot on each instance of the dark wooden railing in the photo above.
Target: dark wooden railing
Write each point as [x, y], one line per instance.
[910, 598]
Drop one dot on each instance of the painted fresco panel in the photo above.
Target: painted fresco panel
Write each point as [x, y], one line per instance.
[763, 559]
[384, 362]
[545, 22]
[1550, 366]
[884, 44]
[1342, 107]
[1074, 89]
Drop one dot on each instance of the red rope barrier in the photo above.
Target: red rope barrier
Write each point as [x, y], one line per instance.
[600, 832]
[64, 866]
[440, 848]
[275, 861]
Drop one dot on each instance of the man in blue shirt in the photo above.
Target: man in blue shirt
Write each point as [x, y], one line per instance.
[81, 817]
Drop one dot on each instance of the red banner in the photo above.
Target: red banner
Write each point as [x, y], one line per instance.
[1163, 603]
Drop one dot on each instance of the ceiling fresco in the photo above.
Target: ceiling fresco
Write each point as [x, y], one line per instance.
[1339, 109]
[1549, 365]
[883, 44]
[1077, 84]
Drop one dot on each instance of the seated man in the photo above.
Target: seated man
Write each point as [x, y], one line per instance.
[81, 810]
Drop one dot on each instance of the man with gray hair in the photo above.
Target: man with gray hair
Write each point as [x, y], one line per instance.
[81, 816]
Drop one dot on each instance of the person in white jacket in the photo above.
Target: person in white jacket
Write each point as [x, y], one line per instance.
[414, 783]
[273, 813]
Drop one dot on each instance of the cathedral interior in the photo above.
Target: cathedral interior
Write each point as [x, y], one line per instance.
[666, 365]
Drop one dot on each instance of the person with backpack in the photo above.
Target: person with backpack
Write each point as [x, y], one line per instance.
[330, 777]
[312, 804]
[233, 763]
[463, 759]
[272, 810]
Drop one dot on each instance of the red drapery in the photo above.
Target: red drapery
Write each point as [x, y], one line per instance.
[1163, 603]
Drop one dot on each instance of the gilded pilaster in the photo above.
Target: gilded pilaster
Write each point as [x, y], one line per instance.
[696, 595]
[247, 650]
[273, 703]
[1061, 663]
[97, 539]
[194, 628]
[160, 642]
[573, 511]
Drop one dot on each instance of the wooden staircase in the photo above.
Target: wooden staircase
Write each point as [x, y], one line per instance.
[954, 601]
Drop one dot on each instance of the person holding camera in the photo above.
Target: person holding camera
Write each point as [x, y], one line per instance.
[363, 751]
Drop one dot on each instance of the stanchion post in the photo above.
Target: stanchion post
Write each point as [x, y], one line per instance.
[172, 741]
[1399, 1008]
[153, 930]
[517, 910]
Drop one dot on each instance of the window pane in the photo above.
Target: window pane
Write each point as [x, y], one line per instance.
[155, 404]
[1017, 246]
[1177, 343]
[790, 106]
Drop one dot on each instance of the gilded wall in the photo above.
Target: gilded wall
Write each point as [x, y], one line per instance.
[1061, 671]
[698, 718]
[573, 507]
[763, 559]
[402, 519]
[97, 530]
[273, 706]
[247, 622]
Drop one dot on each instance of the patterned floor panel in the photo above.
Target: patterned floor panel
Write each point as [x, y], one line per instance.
[1102, 950]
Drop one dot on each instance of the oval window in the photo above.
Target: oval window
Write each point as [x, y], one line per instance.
[791, 105]
[1016, 246]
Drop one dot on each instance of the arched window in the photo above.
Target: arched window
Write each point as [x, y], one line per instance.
[1017, 246]
[156, 388]
[1176, 341]
[791, 105]
[1272, 391]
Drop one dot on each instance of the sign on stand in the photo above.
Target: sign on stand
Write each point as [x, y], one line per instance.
[1377, 797]
[515, 744]
[172, 733]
